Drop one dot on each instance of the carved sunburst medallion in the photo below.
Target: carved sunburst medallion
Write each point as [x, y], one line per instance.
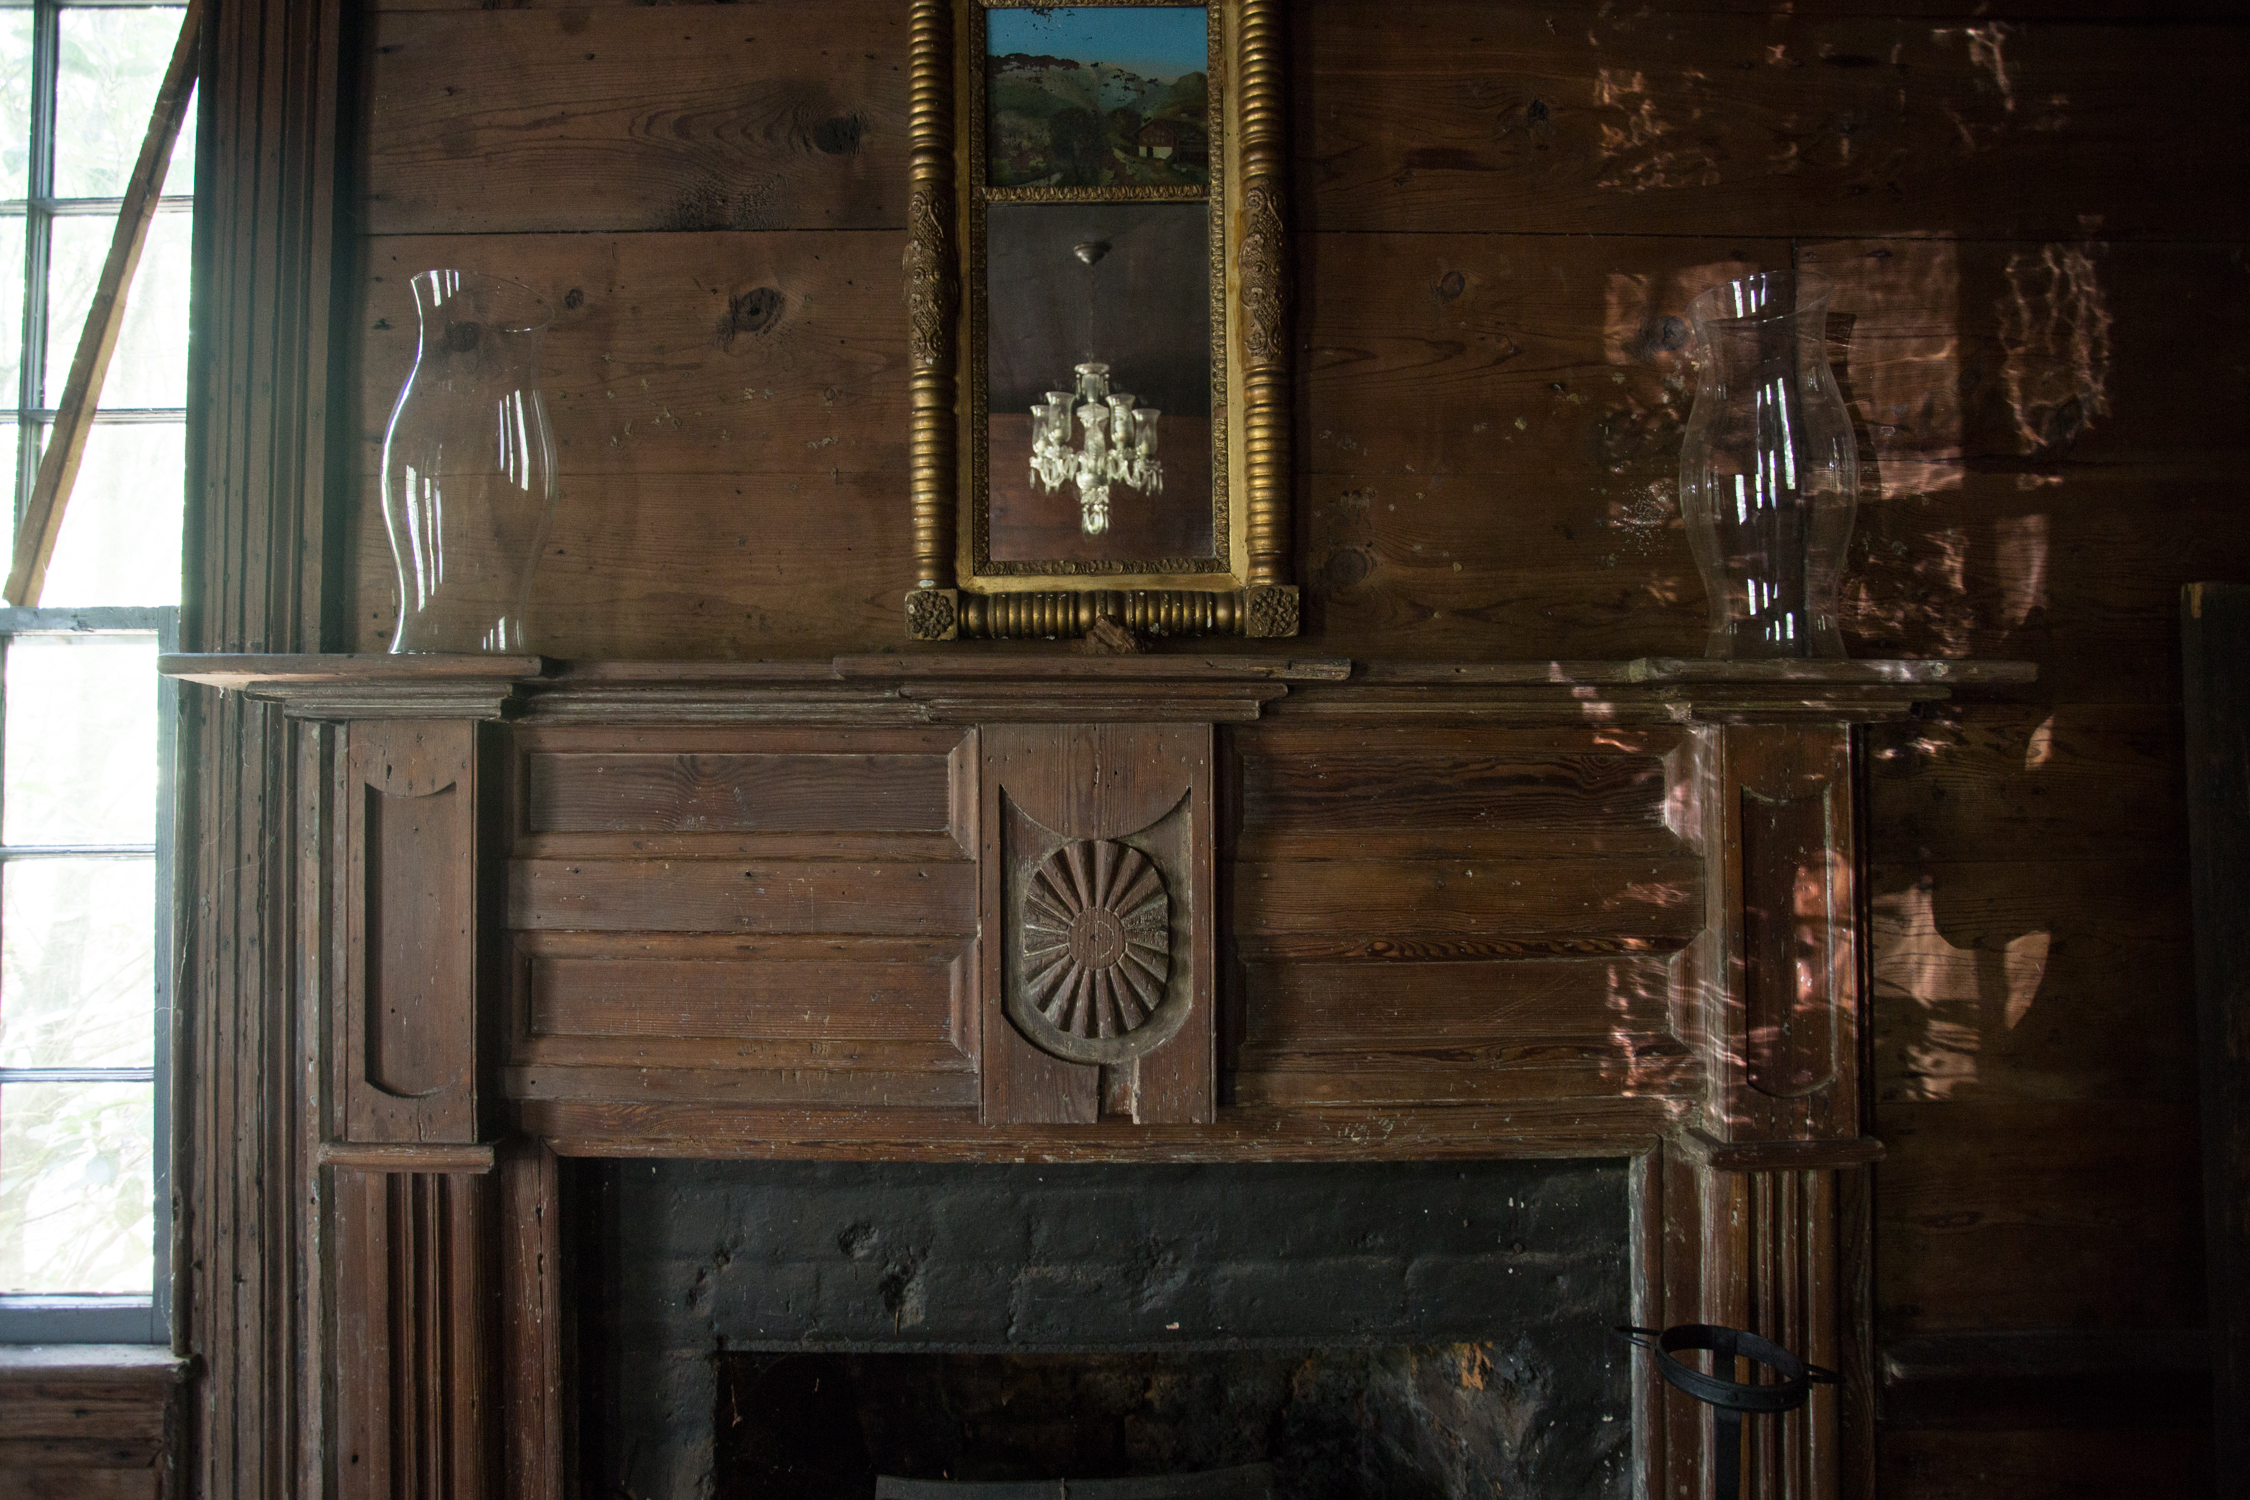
[1097, 942]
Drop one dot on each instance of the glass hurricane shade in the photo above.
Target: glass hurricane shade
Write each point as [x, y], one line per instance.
[469, 465]
[1118, 445]
[1769, 470]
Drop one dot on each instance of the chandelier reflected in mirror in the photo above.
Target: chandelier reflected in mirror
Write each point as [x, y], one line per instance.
[1111, 441]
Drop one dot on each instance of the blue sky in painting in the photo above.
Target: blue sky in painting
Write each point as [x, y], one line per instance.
[1155, 41]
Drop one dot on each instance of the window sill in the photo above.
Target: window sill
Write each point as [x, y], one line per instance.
[90, 1420]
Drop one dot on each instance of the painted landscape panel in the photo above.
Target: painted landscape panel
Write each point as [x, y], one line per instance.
[1084, 96]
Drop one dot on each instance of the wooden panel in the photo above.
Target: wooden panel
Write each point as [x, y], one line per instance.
[2215, 639]
[1326, 793]
[626, 793]
[537, 1326]
[826, 1088]
[1437, 908]
[1561, 362]
[708, 118]
[1528, 1128]
[1454, 115]
[835, 997]
[812, 896]
[36, 1481]
[268, 294]
[415, 1367]
[411, 974]
[1992, 781]
[98, 1422]
[1319, 1006]
[704, 353]
[1428, 1033]
[693, 567]
[2092, 1463]
[2031, 981]
[2034, 1215]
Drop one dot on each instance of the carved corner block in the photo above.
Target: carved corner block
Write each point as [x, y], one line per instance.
[414, 985]
[1269, 611]
[1096, 896]
[933, 614]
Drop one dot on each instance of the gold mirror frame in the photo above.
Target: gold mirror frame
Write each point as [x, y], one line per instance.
[1245, 588]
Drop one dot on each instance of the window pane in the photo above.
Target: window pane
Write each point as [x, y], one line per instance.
[76, 1203]
[120, 540]
[77, 963]
[81, 740]
[11, 313]
[15, 104]
[149, 367]
[113, 61]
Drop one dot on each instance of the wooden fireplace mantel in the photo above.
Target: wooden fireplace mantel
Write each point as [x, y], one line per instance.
[1035, 906]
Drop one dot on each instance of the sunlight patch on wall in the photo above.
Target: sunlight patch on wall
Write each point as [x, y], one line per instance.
[2054, 325]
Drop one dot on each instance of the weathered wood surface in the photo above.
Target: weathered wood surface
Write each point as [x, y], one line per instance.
[695, 117]
[1328, 793]
[2215, 630]
[1523, 901]
[1456, 115]
[96, 1423]
[633, 793]
[812, 896]
[1998, 982]
[2029, 1215]
[418, 1365]
[2091, 1463]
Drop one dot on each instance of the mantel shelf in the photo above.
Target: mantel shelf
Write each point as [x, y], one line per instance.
[1047, 686]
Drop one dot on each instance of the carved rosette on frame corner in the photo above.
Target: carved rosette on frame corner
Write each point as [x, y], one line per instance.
[1096, 944]
[932, 614]
[1269, 611]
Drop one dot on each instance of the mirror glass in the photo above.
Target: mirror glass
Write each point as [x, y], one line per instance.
[1099, 282]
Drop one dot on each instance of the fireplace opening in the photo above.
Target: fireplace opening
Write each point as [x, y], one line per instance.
[790, 1331]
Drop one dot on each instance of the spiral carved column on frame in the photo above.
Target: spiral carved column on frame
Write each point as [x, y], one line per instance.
[1262, 261]
[932, 296]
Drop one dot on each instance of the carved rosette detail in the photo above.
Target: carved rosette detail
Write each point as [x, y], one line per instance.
[1097, 943]
[931, 615]
[1270, 611]
[1265, 276]
[929, 283]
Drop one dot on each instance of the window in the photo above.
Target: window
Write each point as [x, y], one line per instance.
[85, 723]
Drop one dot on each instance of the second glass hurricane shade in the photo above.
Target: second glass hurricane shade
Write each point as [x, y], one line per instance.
[469, 466]
[1769, 469]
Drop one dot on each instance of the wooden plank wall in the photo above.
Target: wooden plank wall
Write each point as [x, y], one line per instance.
[1504, 208]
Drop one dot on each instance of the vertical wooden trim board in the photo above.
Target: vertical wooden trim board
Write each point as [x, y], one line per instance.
[2215, 637]
[258, 452]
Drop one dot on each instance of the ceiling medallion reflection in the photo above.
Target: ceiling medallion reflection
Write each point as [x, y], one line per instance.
[1096, 940]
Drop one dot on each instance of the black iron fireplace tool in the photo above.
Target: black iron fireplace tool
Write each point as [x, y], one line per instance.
[1728, 1398]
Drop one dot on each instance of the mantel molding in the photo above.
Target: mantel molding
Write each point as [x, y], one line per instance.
[1045, 687]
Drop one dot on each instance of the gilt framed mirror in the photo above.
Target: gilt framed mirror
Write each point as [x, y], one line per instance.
[1097, 296]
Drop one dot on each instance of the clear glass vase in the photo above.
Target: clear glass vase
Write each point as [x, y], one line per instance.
[1769, 471]
[469, 465]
